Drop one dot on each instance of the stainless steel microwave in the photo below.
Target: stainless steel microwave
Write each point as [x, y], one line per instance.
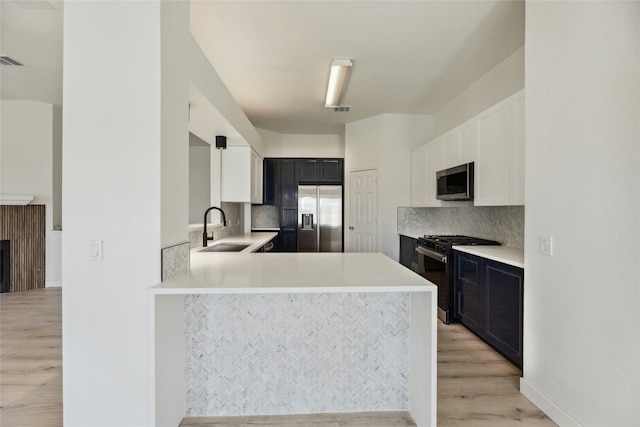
[455, 183]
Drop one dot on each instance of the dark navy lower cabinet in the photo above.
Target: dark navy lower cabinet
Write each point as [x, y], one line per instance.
[489, 302]
[408, 254]
[503, 300]
[468, 291]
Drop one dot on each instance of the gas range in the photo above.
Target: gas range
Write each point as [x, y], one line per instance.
[443, 244]
[435, 263]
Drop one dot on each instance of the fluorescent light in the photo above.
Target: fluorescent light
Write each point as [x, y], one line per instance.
[340, 69]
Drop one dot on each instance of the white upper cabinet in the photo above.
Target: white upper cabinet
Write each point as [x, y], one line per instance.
[468, 142]
[499, 167]
[517, 150]
[425, 162]
[450, 149]
[492, 164]
[434, 164]
[493, 140]
[256, 178]
[240, 167]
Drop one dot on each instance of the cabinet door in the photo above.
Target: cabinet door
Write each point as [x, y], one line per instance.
[468, 137]
[256, 178]
[330, 170]
[289, 218]
[407, 251]
[288, 182]
[307, 171]
[288, 241]
[419, 177]
[503, 299]
[270, 182]
[450, 149]
[468, 291]
[517, 149]
[235, 177]
[434, 164]
[493, 163]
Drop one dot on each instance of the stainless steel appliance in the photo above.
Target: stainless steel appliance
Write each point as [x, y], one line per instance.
[455, 183]
[435, 263]
[319, 218]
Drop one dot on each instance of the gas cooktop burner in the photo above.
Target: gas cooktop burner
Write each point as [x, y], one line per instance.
[429, 240]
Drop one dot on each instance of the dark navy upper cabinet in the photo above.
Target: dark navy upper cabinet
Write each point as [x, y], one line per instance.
[489, 301]
[270, 182]
[307, 170]
[330, 170]
[288, 184]
[320, 171]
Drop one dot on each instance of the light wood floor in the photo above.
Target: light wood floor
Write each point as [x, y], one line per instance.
[476, 386]
[31, 358]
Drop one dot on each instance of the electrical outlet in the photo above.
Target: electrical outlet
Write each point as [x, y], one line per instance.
[546, 245]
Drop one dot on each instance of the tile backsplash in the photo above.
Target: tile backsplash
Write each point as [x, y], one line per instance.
[265, 216]
[502, 223]
[233, 212]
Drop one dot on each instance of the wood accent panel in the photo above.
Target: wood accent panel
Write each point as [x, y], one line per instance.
[24, 227]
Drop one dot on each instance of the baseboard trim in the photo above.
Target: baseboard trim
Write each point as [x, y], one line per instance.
[553, 411]
[52, 284]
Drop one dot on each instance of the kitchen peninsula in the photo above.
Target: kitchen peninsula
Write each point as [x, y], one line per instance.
[286, 333]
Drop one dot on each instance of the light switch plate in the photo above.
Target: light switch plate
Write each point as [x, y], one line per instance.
[546, 245]
[95, 250]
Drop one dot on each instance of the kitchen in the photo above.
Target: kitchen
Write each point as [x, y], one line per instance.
[559, 120]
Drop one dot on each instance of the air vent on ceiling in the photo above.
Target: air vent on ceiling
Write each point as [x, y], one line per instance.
[7, 61]
[342, 109]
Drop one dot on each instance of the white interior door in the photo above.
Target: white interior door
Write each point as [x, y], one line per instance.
[363, 227]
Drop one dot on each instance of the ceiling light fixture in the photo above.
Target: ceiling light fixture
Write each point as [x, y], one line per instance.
[338, 78]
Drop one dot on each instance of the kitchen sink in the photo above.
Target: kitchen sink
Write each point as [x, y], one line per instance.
[225, 247]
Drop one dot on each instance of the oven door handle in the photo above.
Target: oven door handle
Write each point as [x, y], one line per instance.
[432, 254]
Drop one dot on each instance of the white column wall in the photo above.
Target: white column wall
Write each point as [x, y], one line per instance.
[114, 189]
[582, 322]
[175, 39]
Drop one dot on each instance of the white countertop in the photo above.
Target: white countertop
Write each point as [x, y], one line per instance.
[241, 272]
[503, 254]
[261, 229]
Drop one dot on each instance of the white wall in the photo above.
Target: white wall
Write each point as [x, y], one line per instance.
[582, 321]
[385, 143]
[297, 145]
[501, 81]
[29, 130]
[205, 78]
[120, 131]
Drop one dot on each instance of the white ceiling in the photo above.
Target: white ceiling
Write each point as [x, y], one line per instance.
[274, 56]
[31, 32]
[409, 56]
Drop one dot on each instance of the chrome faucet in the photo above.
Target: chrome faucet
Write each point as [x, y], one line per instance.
[205, 238]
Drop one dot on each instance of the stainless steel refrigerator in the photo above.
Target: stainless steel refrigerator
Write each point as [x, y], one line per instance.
[319, 218]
